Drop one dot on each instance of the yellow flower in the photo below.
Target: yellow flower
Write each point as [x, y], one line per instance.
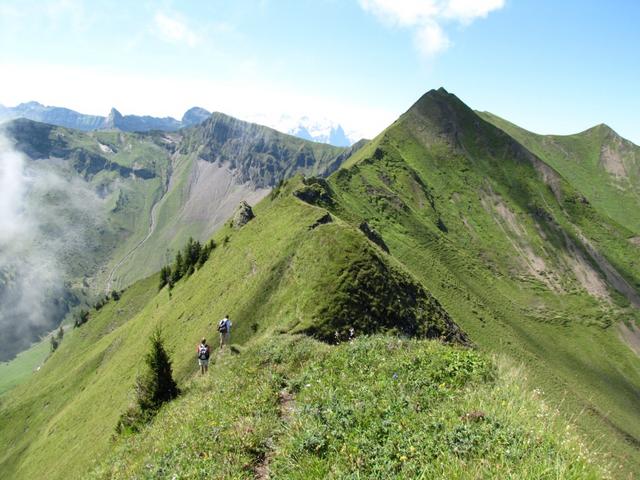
[403, 458]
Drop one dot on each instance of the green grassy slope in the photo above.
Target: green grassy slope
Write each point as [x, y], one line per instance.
[285, 271]
[20, 368]
[267, 277]
[602, 165]
[143, 191]
[376, 407]
[464, 227]
[509, 247]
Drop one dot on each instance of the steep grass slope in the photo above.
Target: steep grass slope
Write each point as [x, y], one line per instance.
[600, 163]
[283, 271]
[517, 255]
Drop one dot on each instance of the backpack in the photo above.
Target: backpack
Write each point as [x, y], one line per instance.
[223, 326]
[203, 352]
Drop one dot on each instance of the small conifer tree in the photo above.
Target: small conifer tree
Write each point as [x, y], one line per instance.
[157, 385]
[178, 268]
[153, 388]
[165, 277]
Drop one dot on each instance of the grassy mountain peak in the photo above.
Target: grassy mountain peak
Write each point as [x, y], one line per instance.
[444, 226]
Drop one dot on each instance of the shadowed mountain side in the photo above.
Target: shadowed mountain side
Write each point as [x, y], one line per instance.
[260, 155]
[602, 165]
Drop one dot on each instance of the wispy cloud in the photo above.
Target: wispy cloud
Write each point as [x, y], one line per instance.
[46, 216]
[427, 17]
[174, 29]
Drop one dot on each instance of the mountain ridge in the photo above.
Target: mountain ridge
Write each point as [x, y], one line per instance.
[443, 207]
[64, 117]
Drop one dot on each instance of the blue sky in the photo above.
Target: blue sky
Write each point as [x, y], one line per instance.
[549, 66]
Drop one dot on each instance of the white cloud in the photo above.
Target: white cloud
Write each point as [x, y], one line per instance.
[173, 29]
[466, 11]
[430, 39]
[426, 17]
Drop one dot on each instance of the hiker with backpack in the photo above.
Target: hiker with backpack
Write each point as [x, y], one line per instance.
[224, 327]
[203, 356]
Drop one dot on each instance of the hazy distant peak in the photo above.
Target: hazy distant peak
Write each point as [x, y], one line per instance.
[194, 116]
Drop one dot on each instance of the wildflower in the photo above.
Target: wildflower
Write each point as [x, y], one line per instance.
[395, 376]
[403, 458]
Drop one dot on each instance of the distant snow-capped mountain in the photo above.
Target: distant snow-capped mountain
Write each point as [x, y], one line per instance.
[321, 130]
[318, 130]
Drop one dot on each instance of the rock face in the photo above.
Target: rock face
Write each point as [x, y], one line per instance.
[243, 215]
[373, 235]
[323, 220]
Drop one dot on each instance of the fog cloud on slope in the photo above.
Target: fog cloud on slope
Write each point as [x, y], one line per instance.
[45, 217]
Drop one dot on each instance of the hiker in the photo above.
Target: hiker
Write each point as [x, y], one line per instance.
[203, 356]
[224, 327]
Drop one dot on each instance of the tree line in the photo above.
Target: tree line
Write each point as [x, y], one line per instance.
[186, 262]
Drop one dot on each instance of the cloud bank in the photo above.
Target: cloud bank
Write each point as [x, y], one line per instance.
[427, 17]
[44, 222]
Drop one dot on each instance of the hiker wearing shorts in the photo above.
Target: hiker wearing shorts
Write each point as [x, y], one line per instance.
[203, 356]
[224, 327]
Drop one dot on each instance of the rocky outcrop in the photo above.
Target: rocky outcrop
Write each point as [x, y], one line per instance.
[373, 235]
[323, 220]
[242, 216]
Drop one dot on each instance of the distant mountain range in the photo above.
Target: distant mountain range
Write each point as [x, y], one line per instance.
[149, 189]
[64, 117]
[317, 131]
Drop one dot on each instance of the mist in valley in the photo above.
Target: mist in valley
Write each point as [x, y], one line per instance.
[47, 215]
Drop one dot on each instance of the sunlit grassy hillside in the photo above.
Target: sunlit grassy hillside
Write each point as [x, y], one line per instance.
[446, 305]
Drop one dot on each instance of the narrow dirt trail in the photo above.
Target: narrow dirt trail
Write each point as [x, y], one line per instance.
[152, 227]
[286, 407]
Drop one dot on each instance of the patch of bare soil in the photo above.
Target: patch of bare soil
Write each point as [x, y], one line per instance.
[635, 241]
[612, 161]
[213, 193]
[508, 221]
[549, 177]
[584, 272]
[613, 276]
[286, 407]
